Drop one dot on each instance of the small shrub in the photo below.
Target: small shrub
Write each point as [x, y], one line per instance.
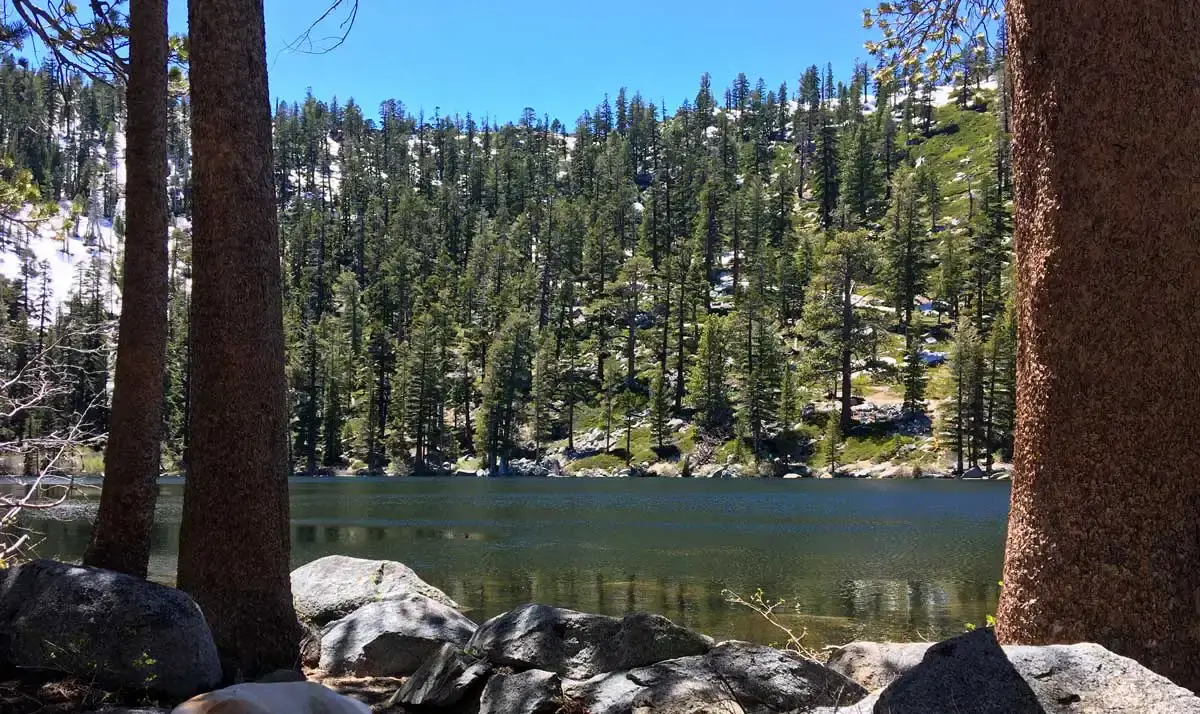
[768, 610]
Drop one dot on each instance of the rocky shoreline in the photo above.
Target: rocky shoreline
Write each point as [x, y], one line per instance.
[525, 468]
[550, 468]
[382, 635]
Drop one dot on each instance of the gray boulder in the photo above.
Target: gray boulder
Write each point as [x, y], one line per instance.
[733, 677]
[875, 665]
[866, 706]
[119, 631]
[335, 586]
[531, 692]
[527, 468]
[579, 645]
[1065, 679]
[686, 696]
[764, 679]
[968, 673]
[972, 473]
[444, 679]
[1088, 679]
[391, 638]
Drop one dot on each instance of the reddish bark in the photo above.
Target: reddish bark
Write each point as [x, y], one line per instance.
[1104, 538]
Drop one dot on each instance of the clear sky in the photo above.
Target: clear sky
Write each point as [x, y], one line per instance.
[495, 58]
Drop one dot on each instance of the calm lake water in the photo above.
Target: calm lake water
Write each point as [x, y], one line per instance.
[862, 559]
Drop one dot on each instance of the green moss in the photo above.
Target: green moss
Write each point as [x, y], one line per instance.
[876, 445]
[641, 445]
[875, 448]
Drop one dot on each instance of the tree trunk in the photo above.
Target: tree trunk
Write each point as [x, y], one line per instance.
[1104, 536]
[847, 356]
[121, 537]
[680, 357]
[571, 420]
[631, 342]
[234, 551]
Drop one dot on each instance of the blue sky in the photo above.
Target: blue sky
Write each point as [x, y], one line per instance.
[496, 58]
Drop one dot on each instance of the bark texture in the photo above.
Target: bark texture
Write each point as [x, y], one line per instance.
[121, 537]
[235, 541]
[1104, 538]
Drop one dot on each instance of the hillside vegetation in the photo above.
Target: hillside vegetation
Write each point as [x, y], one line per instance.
[804, 277]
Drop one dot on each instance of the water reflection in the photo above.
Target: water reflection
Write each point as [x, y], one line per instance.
[877, 560]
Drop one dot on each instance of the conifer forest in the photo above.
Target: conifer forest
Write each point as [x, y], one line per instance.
[814, 273]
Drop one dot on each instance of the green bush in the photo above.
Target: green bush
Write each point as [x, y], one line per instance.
[604, 462]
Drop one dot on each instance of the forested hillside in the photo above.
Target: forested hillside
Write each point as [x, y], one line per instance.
[814, 274]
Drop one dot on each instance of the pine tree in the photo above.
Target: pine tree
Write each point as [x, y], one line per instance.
[833, 444]
[905, 250]
[915, 378]
[121, 538]
[761, 375]
[960, 416]
[708, 384]
[834, 330]
[626, 293]
[627, 404]
[789, 397]
[425, 388]
[660, 408]
[505, 385]
[574, 388]
[1001, 379]
[547, 385]
[237, 567]
[858, 185]
[825, 174]
[334, 373]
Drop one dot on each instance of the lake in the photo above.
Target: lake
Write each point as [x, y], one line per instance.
[899, 560]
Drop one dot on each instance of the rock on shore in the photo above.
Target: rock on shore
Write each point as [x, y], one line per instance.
[121, 632]
[540, 659]
[335, 586]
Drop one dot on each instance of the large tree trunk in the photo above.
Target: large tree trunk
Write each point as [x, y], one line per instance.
[234, 542]
[121, 538]
[1104, 540]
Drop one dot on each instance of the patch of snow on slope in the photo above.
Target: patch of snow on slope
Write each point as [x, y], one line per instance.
[57, 253]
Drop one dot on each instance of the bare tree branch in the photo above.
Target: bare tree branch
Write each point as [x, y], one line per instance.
[39, 384]
[305, 43]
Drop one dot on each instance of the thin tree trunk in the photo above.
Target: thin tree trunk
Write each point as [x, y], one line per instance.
[234, 551]
[680, 357]
[121, 537]
[847, 355]
[631, 344]
[665, 345]
[737, 249]
[1104, 536]
[571, 410]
